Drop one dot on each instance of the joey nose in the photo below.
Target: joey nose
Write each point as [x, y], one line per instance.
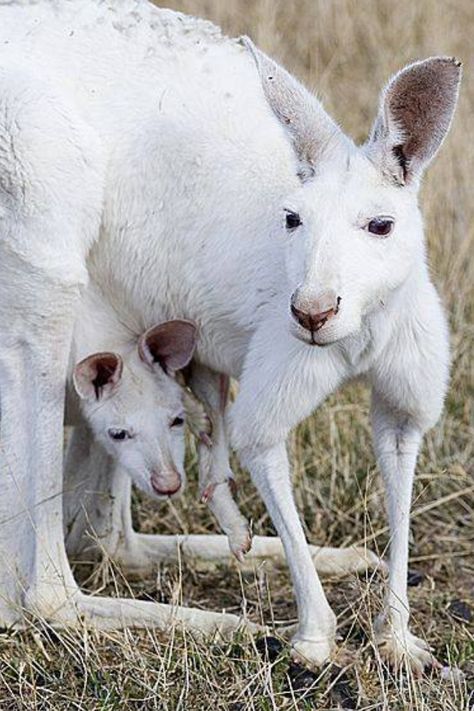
[313, 314]
[166, 483]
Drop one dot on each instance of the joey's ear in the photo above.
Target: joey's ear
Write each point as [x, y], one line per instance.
[98, 376]
[170, 344]
[416, 109]
[308, 125]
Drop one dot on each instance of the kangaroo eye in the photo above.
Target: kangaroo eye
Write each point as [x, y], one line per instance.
[117, 434]
[177, 422]
[292, 220]
[380, 226]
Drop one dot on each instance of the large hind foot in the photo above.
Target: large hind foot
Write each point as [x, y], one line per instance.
[402, 649]
[80, 610]
[345, 561]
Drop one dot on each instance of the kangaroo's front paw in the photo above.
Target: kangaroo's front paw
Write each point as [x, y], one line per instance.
[240, 541]
[402, 648]
[312, 652]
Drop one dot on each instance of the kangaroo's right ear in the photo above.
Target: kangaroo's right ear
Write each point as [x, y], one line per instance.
[171, 345]
[98, 376]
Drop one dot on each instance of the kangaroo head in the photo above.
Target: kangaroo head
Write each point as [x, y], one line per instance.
[353, 229]
[136, 409]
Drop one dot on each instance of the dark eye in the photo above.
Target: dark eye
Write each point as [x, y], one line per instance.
[292, 220]
[177, 422]
[117, 434]
[380, 226]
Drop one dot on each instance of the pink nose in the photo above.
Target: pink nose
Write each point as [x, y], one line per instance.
[313, 317]
[166, 484]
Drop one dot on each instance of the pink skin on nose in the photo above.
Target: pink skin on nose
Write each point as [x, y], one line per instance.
[166, 484]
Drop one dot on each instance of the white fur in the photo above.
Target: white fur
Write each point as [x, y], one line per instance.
[192, 206]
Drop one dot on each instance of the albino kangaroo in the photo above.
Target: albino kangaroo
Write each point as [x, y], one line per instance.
[136, 412]
[147, 136]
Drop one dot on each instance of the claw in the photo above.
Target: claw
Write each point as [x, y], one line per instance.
[410, 650]
[241, 548]
[208, 492]
[240, 556]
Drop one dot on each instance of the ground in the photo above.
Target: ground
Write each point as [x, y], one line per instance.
[347, 50]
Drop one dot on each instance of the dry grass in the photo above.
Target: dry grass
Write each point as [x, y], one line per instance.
[347, 49]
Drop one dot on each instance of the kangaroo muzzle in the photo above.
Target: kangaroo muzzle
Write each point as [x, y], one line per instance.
[166, 483]
[313, 314]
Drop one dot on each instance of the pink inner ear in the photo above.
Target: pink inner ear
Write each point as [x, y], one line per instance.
[170, 344]
[98, 375]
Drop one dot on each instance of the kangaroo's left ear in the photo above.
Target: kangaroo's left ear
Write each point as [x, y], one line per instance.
[415, 114]
[170, 344]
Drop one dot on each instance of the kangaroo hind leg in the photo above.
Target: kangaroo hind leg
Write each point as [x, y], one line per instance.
[50, 202]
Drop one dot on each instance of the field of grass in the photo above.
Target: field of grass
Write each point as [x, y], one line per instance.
[346, 49]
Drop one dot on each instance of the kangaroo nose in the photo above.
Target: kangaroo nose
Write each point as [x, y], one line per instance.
[313, 315]
[165, 484]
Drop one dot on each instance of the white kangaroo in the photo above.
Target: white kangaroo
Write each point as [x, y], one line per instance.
[146, 135]
[133, 415]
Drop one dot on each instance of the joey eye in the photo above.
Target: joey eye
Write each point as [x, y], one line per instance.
[380, 226]
[177, 422]
[292, 220]
[118, 434]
